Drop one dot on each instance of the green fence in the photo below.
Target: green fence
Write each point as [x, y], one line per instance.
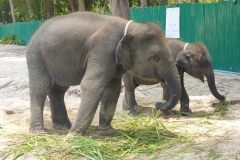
[21, 30]
[217, 25]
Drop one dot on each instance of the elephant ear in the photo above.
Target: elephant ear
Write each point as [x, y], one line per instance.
[123, 54]
[185, 60]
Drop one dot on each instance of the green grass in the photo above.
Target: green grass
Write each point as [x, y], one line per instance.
[136, 135]
[220, 110]
[139, 135]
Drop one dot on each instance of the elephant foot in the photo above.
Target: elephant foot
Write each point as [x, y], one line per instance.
[136, 110]
[106, 131]
[185, 111]
[72, 133]
[37, 130]
[125, 105]
[61, 124]
[167, 113]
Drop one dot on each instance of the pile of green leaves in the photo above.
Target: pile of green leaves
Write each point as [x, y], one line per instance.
[142, 135]
[135, 135]
[10, 39]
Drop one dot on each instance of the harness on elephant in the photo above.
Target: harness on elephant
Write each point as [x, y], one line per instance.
[180, 71]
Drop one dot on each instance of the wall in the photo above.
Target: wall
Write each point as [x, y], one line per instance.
[217, 25]
[21, 30]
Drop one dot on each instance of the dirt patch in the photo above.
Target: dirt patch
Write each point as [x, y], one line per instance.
[220, 135]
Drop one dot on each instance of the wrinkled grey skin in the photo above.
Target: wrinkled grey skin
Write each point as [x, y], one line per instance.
[194, 60]
[90, 49]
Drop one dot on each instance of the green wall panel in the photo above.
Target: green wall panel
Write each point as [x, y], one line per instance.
[217, 25]
[21, 30]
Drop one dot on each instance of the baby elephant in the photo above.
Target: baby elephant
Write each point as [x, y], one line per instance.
[191, 58]
[94, 51]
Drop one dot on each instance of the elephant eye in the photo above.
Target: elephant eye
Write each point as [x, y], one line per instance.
[155, 58]
[187, 56]
[205, 65]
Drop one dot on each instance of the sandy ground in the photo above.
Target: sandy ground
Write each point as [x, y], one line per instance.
[224, 139]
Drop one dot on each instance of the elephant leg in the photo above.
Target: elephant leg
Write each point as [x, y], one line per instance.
[108, 106]
[127, 85]
[166, 97]
[129, 100]
[134, 109]
[125, 104]
[58, 109]
[92, 89]
[37, 104]
[184, 99]
[38, 89]
[166, 92]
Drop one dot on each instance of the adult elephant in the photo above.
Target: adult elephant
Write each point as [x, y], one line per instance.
[193, 59]
[95, 51]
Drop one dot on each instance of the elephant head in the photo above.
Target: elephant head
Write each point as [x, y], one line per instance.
[144, 53]
[195, 60]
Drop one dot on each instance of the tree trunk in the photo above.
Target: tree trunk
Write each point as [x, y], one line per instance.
[97, 6]
[73, 5]
[105, 7]
[30, 10]
[120, 8]
[143, 3]
[7, 17]
[89, 5]
[49, 9]
[12, 10]
[81, 5]
[165, 2]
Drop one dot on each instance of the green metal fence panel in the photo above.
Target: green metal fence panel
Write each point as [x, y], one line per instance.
[191, 22]
[216, 25]
[210, 32]
[21, 30]
[234, 51]
[155, 14]
[161, 19]
[226, 37]
[136, 15]
[186, 24]
[147, 14]
[198, 12]
[222, 21]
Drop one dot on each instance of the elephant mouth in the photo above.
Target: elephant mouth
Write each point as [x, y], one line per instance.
[159, 77]
[153, 80]
[132, 74]
[202, 77]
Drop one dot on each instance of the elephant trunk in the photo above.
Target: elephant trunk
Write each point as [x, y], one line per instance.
[212, 86]
[171, 76]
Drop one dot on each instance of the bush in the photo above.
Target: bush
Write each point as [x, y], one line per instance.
[10, 39]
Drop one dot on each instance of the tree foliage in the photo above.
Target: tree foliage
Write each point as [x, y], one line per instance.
[28, 10]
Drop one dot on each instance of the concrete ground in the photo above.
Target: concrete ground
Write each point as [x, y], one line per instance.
[15, 113]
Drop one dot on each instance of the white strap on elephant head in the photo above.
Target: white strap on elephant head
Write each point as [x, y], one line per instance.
[125, 30]
[185, 46]
[119, 46]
